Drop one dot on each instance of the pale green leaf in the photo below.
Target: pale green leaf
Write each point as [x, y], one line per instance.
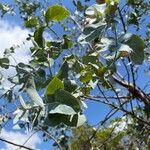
[62, 109]
[90, 11]
[91, 32]
[33, 94]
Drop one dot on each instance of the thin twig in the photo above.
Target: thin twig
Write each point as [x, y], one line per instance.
[122, 20]
[99, 88]
[51, 137]
[120, 108]
[27, 140]
[18, 145]
[54, 32]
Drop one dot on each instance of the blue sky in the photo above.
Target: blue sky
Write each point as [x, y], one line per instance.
[12, 33]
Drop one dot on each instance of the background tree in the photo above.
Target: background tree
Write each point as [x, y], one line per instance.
[98, 52]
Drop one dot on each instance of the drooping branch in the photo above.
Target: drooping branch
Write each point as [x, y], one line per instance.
[135, 91]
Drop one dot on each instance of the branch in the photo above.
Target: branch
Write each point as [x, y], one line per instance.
[108, 97]
[122, 21]
[125, 31]
[18, 145]
[135, 91]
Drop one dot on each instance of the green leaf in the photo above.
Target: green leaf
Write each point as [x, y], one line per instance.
[5, 8]
[91, 32]
[112, 2]
[79, 6]
[133, 19]
[64, 97]
[38, 36]
[53, 86]
[67, 43]
[111, 6]
[86, 76]
[90, 59]
[137, 45]
[78, 120]
[77, 66]
[40, 78]
[56, 13]
[63, 72]
[70, 85]
[61, 109]
[57, 119]
[86, 90]
[31, 22]
[4, 63]
[102, 71]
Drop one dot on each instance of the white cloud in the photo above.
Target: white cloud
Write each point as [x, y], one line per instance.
[14, 35]
[20, 138]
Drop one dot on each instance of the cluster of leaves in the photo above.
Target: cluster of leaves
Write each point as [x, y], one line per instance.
[137, 13]
[59, 105]
[5, 8]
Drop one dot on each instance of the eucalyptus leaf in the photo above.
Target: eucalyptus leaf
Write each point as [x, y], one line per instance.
[62, 109]
[56, 13]
[57, 119]
[90, 11]
[137, 45]
[33, 94]
[53, 120]
[70, 85]
[91, 32]
[4, 63]
[64, 97]
[63, 72]
[54, 85]
[79, 119]
[40, 78]
[31, 22]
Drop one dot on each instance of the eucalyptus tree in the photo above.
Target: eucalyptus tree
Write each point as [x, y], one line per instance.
[97, 47]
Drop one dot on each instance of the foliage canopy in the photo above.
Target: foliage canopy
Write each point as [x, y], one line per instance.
[95, 54]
